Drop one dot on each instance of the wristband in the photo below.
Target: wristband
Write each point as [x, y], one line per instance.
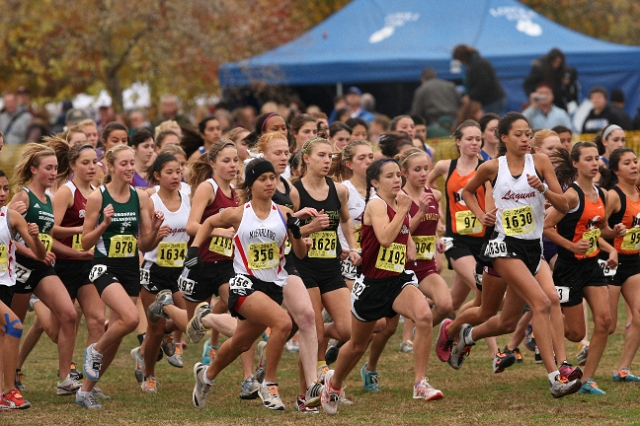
[546, 188]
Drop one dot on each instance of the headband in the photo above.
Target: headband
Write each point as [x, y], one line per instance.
[385, 163]
[311, 142]
[264, 123]
[259, 169]
[610, 129]
[238, 130]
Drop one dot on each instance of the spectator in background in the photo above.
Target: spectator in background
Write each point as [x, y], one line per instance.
[552, 68]
[359, 129]
[24, 99]
[169, 110]
[225, 119]
[137, 120]
[542, 113]
[105, 116]
[443, 128]
[379, 125]
[616, 103]
[74, 116]
[368, 102]
[14, 120]
[339, 103]
[601, 115]
[420, 127]
[342, 115]
[435, 98]
[470, 111]
[481, 81]
[565, 134]
[354, 103]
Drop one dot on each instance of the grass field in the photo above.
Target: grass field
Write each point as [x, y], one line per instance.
[473, 394]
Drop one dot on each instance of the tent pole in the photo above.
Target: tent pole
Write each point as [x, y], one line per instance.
[339, 89]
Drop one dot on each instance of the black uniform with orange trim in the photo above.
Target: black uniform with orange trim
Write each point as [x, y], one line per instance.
[574, 271]
[628, 246]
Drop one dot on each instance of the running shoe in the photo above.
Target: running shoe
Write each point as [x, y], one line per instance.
[17, 381]
[538, 357]
[5, 405]
[261, 368]
[570, 372]
[75, 373]
[137, 357]
[369, 379]
[624, 375]
[304, 408]
[332, 354]
[518, 354]
[322, 371]
[250, 388]
[32, 301]
[176, 359]
[293, 344]
[503, 360]
[195, 329]
[92, 363]
[270, 396]
[330, 395]
[583, 353]
[87, 400]
[460, 351]
[406, 347]
[529, 339]
[209, 353]
[16, 400]
[201, 390]
[68, 386]
[424, 390]
[266, 333]
[313, 395]
[149, 385]
[97, 392]
[167, 345]
[590, 387]
[562, 387]
[155, 312]
[444, 342]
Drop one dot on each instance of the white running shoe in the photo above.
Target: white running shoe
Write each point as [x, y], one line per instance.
[202, 389]
[68, 386]
[155, 312]
[176, 359]
[137, 357]
[92, 363]
[424, 390]
[87, 400]
[149, 384]
[167, 345]
[195, 329]
[270, 396]
[330, 396]
[250, 388]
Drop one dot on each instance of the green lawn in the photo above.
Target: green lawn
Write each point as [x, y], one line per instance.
[472, 395]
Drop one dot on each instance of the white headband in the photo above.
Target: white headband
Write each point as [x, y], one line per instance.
[610, 129]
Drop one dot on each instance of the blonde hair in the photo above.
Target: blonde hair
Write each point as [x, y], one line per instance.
[66, 135]
[110, 159]
[307, 149]
[265, 139]
[404, 158]
[167, 125]
[201, 170]
[87, 122]
[32, 155]
[339, 170]
[173, 150]
[66, 155]
[539, 137]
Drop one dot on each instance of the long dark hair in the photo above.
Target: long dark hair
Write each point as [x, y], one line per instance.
[373, 172]
[504, 125]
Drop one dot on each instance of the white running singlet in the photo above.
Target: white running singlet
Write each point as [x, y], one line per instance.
[171, 251]
[7, 250]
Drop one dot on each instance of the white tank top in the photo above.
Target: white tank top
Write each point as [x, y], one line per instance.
[259, 246]
[171, 251]
[520, 206]
[356, 208]
[7, 251]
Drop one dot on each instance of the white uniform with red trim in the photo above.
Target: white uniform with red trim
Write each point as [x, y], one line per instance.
[7, 250]
[259, 246]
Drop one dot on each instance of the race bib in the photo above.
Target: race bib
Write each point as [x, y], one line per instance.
[287, 247]
[186, 285]
[263, 255]
[47, 241]
[221, 245]
[123, 246]
[607, 271]
[96, 272]
[358, 288]
[359, 236]
[171, 255]
[496, 249]
[563, 294]
[22, 273]
[76, 243]
[349, 270]
[392, 258]
[517, 221]
[592, 236]
[425, 247]
[448, 242]
[467, 223]
[631, 240]
[3, 258]
[324, 244]
[145, 276]
[240, 284]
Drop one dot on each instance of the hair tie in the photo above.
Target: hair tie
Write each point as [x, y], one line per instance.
[264, 123]
[610, 129]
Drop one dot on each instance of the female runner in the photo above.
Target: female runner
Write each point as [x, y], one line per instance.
[143, 145]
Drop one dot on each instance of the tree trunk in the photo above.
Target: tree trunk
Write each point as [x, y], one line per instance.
[115, 91]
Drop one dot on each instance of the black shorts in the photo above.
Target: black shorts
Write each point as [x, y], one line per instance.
[6, 294]
[571, 277]
[462, 246]
[198, 285]
[372, 299]
[73, 274]
[628, 266]
[29, 273]
[290, 264]
[243, 286]
[126, 272]
[155, 278]
[529, 251]
[325, 274]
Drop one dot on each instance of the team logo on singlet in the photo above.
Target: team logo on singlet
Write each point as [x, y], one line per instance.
[81, 213]
[517, 196]
[457, 198]
[594, 223]
[404, 230]
[636, 221]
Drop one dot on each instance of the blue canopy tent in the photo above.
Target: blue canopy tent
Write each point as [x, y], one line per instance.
[379, 41]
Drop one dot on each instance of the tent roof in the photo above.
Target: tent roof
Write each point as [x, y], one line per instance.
[381, 40]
